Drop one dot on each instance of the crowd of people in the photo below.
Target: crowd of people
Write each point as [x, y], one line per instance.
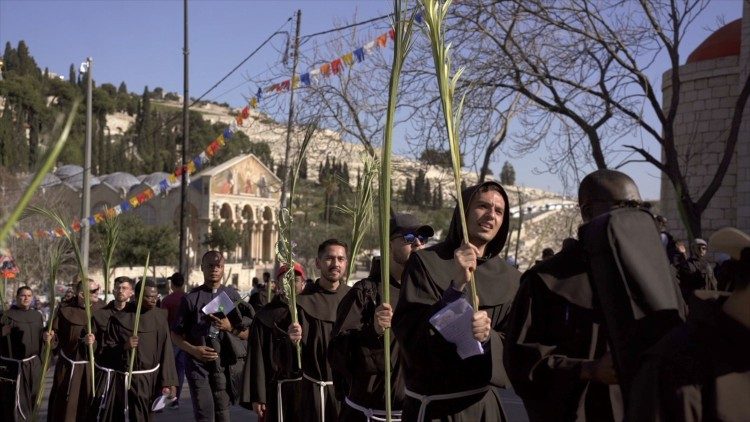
[620, 324]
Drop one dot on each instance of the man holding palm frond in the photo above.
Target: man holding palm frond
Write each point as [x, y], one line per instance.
[356, 350]
[71, 388]
[440, 385]
[317, 312]
[271, 378]
[154, 371]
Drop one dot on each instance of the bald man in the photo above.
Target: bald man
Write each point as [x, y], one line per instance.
[556, 351]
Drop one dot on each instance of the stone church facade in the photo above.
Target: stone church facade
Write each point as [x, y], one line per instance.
[242, 193]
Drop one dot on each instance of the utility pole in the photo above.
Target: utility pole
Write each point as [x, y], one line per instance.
[86, 200]
[183, 266]
[290, 121]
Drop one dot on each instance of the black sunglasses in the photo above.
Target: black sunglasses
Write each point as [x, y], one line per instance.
[412, 237]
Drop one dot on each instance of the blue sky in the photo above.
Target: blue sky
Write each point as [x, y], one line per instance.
[140, 42]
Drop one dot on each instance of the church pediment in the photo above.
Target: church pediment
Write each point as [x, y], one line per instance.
[245, 176]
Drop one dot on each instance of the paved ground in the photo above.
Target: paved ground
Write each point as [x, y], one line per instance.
[511, 403]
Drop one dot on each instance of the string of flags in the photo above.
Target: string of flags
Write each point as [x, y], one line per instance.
[150, 192]
[333, 67]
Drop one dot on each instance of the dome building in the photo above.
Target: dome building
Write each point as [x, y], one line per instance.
[711, 80]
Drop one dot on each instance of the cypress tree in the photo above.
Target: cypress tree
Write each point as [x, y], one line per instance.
[72, 74]
[408, 192]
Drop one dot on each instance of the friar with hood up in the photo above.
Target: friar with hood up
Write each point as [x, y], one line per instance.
[557, 349]
[20, 367]
[154, 371]
[356, 351]
[439, 384]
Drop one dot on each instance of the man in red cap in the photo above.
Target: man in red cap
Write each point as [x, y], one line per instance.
[269, 385]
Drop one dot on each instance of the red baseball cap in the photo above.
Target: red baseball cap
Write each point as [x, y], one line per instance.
[298, 269]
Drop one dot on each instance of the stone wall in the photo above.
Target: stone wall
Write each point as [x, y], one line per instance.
[742, 192]
[708, 94]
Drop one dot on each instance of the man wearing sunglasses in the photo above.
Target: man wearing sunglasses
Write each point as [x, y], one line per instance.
[71, 387]
[356, 351]
[440, 384]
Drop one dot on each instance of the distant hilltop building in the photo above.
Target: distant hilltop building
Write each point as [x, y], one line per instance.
[712, 78]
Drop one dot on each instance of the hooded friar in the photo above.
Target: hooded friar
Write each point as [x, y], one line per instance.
[439, 384]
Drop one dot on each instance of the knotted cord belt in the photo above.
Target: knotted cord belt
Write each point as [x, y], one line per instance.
[376, 415]
[426, 399]
[20, 363]
[280, 404]
[322, 385]
[110, 372]
[73, 363]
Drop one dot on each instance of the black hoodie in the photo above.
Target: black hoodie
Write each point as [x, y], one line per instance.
[432, 363]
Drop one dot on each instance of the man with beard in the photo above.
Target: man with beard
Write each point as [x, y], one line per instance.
[700, 371]
[440, 385]
[356, 350]
[317, 312]
[271, 377]
[557, 350]
[123, 293]
[22, 329]
[154, 370]
[71, 386]
[212, 343]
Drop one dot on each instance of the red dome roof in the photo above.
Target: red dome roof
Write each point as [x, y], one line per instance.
[724, 42]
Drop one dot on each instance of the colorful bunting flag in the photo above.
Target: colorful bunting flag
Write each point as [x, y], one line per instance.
[359, 54]
[382, 40]
[348, 59]
[336, 66]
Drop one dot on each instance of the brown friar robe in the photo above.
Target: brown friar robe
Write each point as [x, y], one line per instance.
[71, 389]
[153, 368]
[698, 372]
[432, 364]
[317, 313]
[21, 368]
[271, 369]
[553, 330]
[356, 351]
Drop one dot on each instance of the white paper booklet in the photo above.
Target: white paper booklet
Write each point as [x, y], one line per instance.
[221, 303]
[454, 323]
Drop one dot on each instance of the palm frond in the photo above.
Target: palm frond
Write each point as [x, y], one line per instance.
[434, 15]
[401, 47]
[134, 352]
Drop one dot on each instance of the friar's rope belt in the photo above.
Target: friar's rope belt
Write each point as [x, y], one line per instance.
[426, 399]
[376, 415]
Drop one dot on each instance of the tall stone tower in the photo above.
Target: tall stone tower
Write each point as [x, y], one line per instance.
[711, 81]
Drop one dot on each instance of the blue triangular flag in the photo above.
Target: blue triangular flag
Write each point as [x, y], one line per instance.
[359, 54]
[305, 78]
